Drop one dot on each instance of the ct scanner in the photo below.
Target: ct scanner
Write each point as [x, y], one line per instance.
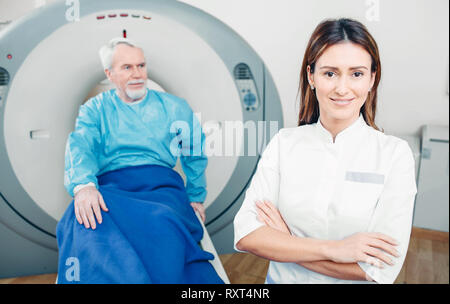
[48, 67]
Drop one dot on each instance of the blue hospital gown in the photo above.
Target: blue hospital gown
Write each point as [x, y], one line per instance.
[111, 134]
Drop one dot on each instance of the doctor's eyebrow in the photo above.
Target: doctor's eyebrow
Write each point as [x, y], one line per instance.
[327, 67]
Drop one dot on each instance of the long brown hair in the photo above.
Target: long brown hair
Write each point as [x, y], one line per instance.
[326, 34]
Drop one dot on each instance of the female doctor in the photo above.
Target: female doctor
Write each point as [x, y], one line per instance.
[332, 199]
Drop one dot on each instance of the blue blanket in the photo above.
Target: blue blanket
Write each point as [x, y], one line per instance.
[149, 235]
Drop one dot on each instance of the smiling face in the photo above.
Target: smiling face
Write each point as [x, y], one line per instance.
[342, 79]
[128, 72]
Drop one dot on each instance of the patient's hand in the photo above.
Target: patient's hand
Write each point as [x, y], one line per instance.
[87, 203]
[200, 208]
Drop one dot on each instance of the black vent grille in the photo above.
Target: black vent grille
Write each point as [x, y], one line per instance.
[4, 77]
[242, 71]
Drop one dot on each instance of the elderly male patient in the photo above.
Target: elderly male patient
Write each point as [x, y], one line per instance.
[132, 219]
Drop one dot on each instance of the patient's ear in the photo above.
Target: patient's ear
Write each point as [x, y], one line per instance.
[108, 74]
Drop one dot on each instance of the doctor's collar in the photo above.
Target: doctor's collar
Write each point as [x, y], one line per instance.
[348, 132]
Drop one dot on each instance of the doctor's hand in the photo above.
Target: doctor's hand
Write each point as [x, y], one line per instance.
[200, 208]
[269, 215]
[370, 248]
[87, 203]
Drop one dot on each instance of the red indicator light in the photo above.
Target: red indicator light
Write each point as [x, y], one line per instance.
[112, 16]
[100, 17]
[9, 56]
[123, 15]
[147, 18]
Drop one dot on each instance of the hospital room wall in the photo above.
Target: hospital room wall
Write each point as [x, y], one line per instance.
[412, 37]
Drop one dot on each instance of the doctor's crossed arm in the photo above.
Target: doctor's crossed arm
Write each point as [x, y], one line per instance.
[332, 258]
[342, 265]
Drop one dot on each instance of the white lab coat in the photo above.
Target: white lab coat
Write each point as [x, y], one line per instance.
[363, 182]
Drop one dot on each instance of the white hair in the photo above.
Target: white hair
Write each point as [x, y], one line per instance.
[106, 52]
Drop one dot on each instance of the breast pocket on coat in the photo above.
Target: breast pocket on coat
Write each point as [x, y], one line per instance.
[361, 192]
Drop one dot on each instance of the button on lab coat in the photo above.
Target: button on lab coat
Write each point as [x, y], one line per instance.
[363, 182]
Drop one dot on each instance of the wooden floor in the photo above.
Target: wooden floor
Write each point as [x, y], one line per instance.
[427, 262]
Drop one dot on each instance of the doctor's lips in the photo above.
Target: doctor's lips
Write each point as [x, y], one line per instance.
[342, 101]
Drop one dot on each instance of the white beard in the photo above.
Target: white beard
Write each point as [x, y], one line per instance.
[136, 94]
